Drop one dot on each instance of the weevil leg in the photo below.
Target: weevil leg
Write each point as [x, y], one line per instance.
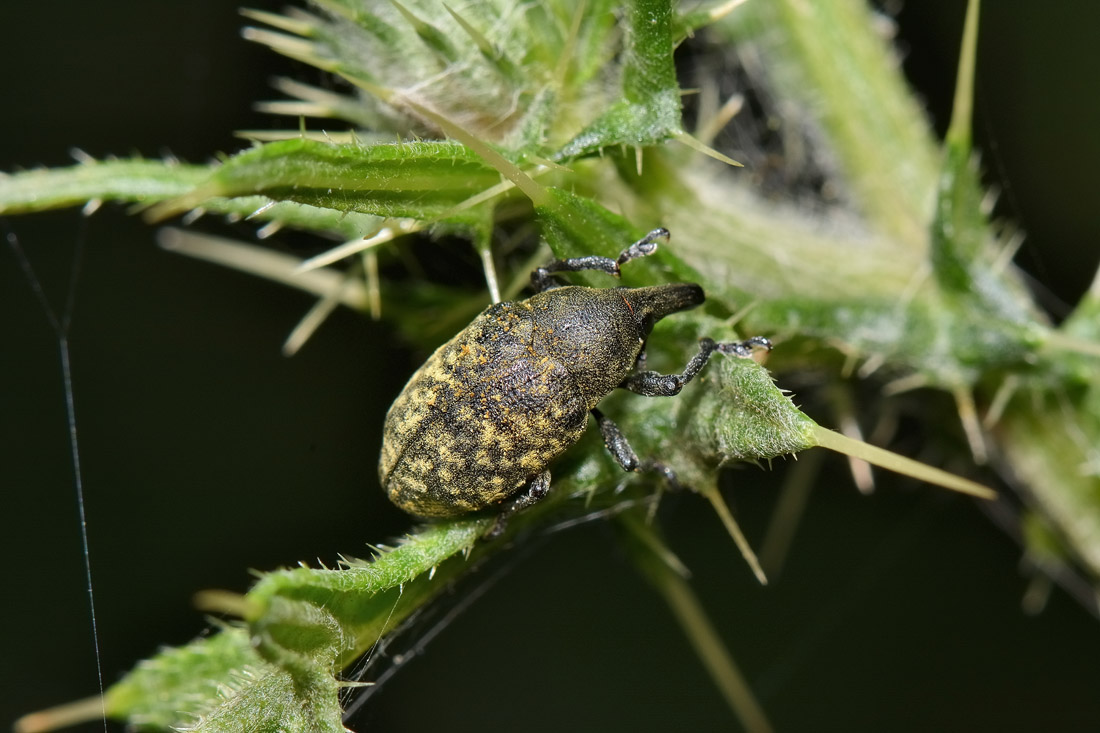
[543, 279]
[536, 490]
[625, 456]
[655, 384]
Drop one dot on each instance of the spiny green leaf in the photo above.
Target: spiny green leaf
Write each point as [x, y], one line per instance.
[496, 57]
[432, 37]
[344, 224]
[742, 416]
[530, 77]
[417, 553]
[960, 238]
[575, 226]
[133, 180]
[310, 623]
[958, 231]
[649, 111]
[1051, 438]
[181, 685]
[416, 179]
[948, 346]
[648, 72]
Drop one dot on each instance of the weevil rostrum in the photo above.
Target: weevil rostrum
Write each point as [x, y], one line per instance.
[479, 424]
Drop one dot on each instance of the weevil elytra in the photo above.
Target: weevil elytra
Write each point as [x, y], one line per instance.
[478, 425]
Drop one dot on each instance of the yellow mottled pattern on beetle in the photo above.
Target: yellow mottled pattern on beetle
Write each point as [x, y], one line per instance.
[483, 415]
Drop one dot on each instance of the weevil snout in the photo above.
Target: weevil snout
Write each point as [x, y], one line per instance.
[651, 304]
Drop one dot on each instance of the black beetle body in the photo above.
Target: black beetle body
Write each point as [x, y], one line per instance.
[492, 408]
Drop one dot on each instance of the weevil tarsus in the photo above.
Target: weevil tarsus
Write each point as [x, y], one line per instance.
[620, 449]
[745, 348]
[542, 278]
[645, 246]
[655, 384]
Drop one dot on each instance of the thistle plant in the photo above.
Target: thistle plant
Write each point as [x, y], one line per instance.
[561, 123]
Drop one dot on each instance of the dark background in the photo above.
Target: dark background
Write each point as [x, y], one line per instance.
[205, 453]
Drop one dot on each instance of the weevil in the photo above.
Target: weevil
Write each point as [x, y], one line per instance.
[479, 424]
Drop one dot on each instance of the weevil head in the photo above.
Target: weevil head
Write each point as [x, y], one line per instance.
[596, 334]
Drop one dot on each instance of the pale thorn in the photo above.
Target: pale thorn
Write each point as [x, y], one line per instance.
[968, 415]
[859, 468]
[474, 200]
[721, 11]
[262, 262]
[309, 93]
[269, 229]
[295, 48]
[1008, 251]
[282, 22]
[62, 716]
[686, 139]
[709, 130]
[374, 283]
[383, 235]
[266, 136]
[851, 361]
[904, 384]
[570, 45]
[260, 210]
[294, 108]
[491, 192]
[989, 201]
[723, 512]
[490, 270]
[1000, 401]
[872, 365]
[891, 461]
[192, 216]
[547, 163]
[81, 157]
